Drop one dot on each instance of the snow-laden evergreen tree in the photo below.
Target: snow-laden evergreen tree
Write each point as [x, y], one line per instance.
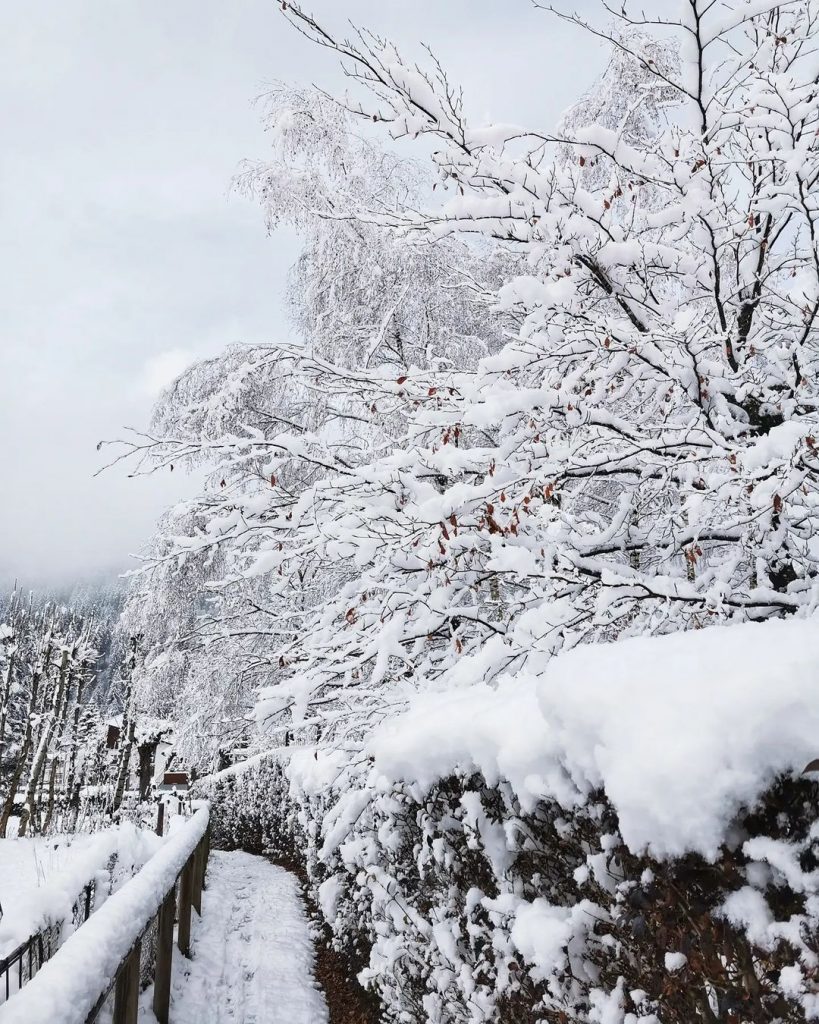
[414, 504]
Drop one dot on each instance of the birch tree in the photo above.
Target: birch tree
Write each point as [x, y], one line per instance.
[48, 673]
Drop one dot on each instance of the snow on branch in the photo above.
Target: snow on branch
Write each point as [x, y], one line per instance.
[566, 395]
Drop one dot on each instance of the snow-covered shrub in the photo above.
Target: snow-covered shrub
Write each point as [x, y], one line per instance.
[586, 846]
[462, 906]
[249, 808]
[478, 911]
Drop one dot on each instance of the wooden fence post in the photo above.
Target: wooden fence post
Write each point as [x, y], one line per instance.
[164, 957]
[196, 895]
[185, 899]
[126, 994]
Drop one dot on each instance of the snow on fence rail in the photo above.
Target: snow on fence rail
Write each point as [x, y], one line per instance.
[104, 955]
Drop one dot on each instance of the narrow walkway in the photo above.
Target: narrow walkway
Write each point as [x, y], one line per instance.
[252, 951]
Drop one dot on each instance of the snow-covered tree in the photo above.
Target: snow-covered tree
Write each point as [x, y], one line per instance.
[47, 672]
[359, 295]
[639, 456]
[628, 448]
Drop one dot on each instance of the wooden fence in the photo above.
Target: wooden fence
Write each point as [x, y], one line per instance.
[133, 974]
[22, 963]
[99, 971]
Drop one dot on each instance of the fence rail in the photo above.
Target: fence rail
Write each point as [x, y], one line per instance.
[126, 944]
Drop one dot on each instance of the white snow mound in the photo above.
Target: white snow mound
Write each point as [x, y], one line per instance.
[681, 731]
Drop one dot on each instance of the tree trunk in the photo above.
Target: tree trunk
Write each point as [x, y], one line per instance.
[26, 746]
[4, 702]
[147, 752]
[52, 786]
[75, 734]
[46, 735]
[128, 729]
[124, 762]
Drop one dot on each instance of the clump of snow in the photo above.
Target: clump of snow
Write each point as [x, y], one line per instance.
[675, 961]
[748, 909]
[328, 894]
[777, 445]
[497, 732]
[681, 731]
[792, 981]
[549, 937]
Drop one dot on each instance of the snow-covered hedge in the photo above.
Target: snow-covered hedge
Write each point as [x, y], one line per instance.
[627, 837]
[251, 806]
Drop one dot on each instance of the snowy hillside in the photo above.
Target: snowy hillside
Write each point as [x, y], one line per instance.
[42, 878]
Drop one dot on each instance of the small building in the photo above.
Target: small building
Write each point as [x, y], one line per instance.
[152, 757]
[179, 781]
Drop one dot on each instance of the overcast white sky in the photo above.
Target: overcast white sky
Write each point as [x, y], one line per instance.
[122, 254]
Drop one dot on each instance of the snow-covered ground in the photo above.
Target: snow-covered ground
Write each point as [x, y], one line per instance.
[41, 877]
[252, 950]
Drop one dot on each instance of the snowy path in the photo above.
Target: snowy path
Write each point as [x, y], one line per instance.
[252, 951]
